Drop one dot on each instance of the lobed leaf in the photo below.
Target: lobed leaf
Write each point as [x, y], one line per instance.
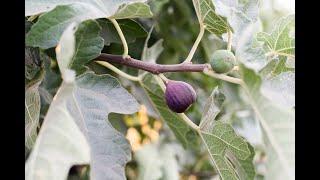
[94, 98]
[223, 144]
[75, 128]
[208, 17]
[280, 41]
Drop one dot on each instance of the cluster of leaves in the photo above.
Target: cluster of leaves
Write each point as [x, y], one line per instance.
[70, 99]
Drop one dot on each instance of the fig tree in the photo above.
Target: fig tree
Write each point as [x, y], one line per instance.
[179, 95]
[222, 61]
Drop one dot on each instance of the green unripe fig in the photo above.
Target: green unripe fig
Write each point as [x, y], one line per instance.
[222, 61]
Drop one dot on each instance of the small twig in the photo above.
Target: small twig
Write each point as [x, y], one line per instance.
[186, 119]
[229, 40]
[33, 17]
[224, 77]
[160, 83]
[165, 79]
[235, 68]
[118, 71]
[195, 45]
[152, 67]
[123, 39]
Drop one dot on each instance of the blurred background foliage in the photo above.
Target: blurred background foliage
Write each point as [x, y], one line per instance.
[176, 23]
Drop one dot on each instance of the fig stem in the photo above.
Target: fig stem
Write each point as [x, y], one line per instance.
[164, 78]
[123, 39]
[224, 77]
[229, 40]
[195, 45]
[118, 71]
[189, 122]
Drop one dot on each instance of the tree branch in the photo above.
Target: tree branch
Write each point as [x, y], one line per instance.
[152, 67]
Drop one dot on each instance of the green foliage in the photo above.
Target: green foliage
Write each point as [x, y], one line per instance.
[88, 45]
[131, 30]
[207, 16]
[77, 113]
[47, 31]
[72, 114]
[223, 144]
[281, 40]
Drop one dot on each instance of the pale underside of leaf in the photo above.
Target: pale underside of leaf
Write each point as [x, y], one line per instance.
[32, 114]
[94, 98]
[239, 15]
[278, 126]
[59, 145]
[252, 57]
[280, 89]
[77, 122]
[65, 51]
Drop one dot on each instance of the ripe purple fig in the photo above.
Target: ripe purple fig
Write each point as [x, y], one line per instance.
[179, 95]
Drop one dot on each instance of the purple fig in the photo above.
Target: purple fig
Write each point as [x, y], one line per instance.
[179, 95]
